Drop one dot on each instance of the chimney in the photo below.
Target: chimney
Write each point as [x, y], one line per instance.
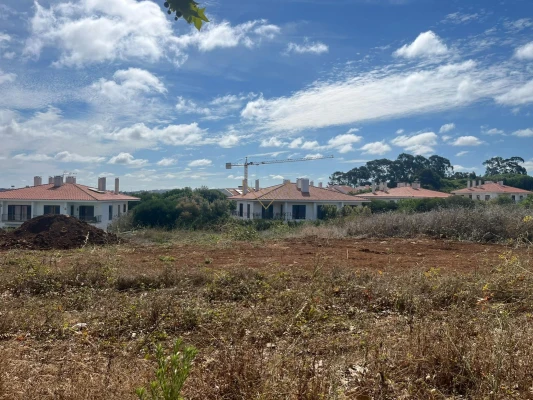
[71, 179]
[37, 181]
[500, 183]
[50, 179]
[257, 185]
[286, 181]
[468, 184]
[117, 186]
[102, 184]
[299, 183]
[244, 186]
[58, 181]
[480, 182]
[416, 185]
[312, 183]
[320, 185]
[304, 185]
[373, 187]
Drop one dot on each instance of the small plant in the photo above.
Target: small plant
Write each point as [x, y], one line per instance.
[171, 374]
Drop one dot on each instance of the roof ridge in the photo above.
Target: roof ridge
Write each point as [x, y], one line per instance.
[272, 188]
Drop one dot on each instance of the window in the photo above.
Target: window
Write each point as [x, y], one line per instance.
[86, 213]
[52, 210]
[268, 213]
[521, 197]
[241, 209]
[72, 210]
[470, 196]
[18, 213]
[478, 197]
[248, 210]
[487, 197]
[513, 197]
[124, 208]
[320, 212]
[118, 209]
[110, 213]
[298, 212]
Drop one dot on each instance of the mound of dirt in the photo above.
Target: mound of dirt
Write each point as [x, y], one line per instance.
[55, 232]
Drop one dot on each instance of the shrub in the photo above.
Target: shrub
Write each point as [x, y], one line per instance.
[171, 373]
[381, 206]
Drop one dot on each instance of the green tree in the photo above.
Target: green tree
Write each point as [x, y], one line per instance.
[189, 10]
[441, 166]
[500, 165]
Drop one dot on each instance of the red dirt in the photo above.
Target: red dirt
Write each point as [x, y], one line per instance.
[308, 253]
[55, 232]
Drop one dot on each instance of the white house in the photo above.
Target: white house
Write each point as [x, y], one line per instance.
[402, 191]
[96, 206]
[290, 201]
[477, 190]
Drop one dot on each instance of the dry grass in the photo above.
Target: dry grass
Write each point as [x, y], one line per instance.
[321, 331]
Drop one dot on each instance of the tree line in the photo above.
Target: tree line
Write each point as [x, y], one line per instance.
[435, 172]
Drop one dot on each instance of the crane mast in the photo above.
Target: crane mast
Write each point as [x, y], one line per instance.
[247, 164]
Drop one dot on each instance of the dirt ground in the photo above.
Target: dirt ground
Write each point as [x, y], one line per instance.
[306, 252]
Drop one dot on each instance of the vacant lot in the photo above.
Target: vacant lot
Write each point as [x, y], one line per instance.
[302, 318]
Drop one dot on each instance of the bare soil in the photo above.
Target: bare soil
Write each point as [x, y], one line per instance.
[55, 232]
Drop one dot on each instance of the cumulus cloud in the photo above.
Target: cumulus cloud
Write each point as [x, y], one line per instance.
[525, 52]
[400, 131]
[492, 131]
[174, 135]
[229, 140]
[97, 31]
[167, 162]
[447, 128]
[423, 143]
[127, 84]
[467, 141]
[341, 143]
[200, 163]
[128, 160]
[376, 148]
[427, 44]
[190, 107]
[524, 133]
[307, 47]
[379, 94]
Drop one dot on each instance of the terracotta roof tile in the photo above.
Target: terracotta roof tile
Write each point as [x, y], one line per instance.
[491, 187]
[290, 192]
[405, 193]
[68, 191]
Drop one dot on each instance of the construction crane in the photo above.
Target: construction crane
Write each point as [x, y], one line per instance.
[247, 163]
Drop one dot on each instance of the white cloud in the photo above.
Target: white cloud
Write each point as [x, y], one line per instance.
[462, 153]
[167, 162]
[174, 135]
[6, 77]
[31, 157]
[422, 143]
[277, 177]
[376, 148]
[353, 130]
[296, 143]
[460, 168]
[316, 155]
[190, 107]
[519, 24]
[229, 140]
[517, 96]
[460, 18]
[492, 131]
[307, 47]
[425, 45]
[97, 31]
[343, 143]
[272, 142]
[446, 138]
[127, 84]
[525, 52]
[524, 133]
[200, 163]
[223, 35]
[400, 131]
[66, 156]
[467, 141]
[239, 178]
[377, 95]
[127, 159]
[447, 128]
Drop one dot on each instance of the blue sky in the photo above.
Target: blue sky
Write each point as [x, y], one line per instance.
[117, 88]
